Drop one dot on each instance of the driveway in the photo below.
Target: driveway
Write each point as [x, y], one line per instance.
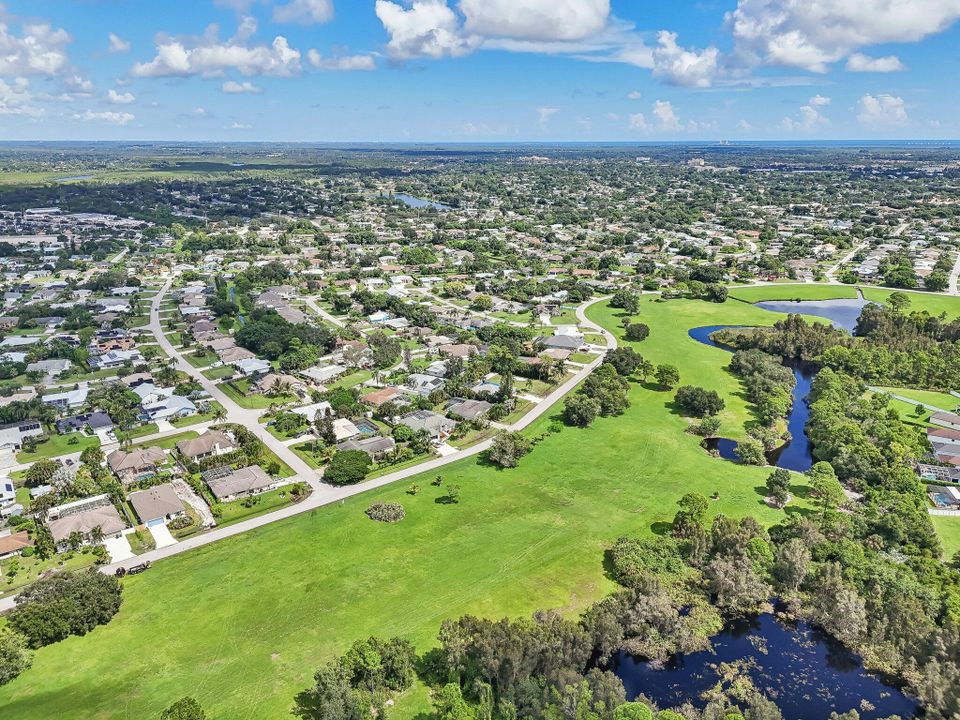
[119, 548]
[161, 535]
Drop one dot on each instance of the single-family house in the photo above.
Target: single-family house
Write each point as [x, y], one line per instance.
[436, 425]
[229, 485]
[212, 443]
[131, 466]
[82, 517]
[13, 544]
[375, 447]
[157, 504]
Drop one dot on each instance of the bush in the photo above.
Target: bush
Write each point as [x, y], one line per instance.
[386, 512]
[184, 709]
[15, 656]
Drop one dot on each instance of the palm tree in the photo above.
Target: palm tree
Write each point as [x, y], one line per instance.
[219, 413]
[96, 535]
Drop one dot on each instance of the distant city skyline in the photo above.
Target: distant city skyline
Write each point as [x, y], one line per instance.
[478, 70]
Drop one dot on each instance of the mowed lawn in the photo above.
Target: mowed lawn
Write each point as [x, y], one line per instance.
[803, 291]
[242, 624]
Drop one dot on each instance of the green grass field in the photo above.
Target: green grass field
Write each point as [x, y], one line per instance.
[945, 401]
[948, 528]
[804, 291]
[57, 445]
[242, 624]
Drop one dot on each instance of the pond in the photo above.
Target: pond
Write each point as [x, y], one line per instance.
[805, 672]
[842, 313]
[415, 202]
[797, 454]
[71, 178]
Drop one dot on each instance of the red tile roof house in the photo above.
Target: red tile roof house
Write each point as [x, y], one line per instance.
[13, 544]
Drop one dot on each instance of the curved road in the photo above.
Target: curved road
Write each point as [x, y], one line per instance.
[323, 493]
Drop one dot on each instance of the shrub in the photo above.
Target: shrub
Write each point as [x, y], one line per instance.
[386, 512]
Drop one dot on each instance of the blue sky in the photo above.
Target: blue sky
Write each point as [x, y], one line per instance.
[478, 70]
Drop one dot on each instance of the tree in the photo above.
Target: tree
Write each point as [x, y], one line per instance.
[633, 711]
[667, 376]
[751, 452]
[347, 467]
[778, 486]
[507, 449]
[626, 300]
[450, 705]
[936, 281]
[698, 402]
[184, 709]
[825, 486]
[690, 516]
[331, 697]
[580, 410]
[792, 562]
[40, 472]
[608, 388]
[15, 656]
[637, 332]
[625, 360]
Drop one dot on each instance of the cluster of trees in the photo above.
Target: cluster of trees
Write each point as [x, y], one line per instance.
[768, 383]
[892, 347]
[359, 684]
[296, 346]
[51, 610]
[604, 392]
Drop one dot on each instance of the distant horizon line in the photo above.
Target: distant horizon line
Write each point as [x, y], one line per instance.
[505, 143]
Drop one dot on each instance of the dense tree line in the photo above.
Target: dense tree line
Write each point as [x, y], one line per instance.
[769, 384]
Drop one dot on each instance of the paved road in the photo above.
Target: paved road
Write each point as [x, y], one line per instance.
[831, 273]
[325, 494]
[955, 277]
[235, 414]
[323, 313]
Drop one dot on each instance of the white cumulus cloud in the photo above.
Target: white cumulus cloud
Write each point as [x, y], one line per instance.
[427, 27]
[811, 34]
[881, 109]
[535, 19]
[208, 56]
[233, 87]
[38, 50]
[684, 67]
[858, 62]
[115, 98]
[666, 116]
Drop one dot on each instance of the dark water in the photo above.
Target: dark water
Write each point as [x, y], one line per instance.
[806, 673]
[795, 455]
[842, 313]
[416, 202]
